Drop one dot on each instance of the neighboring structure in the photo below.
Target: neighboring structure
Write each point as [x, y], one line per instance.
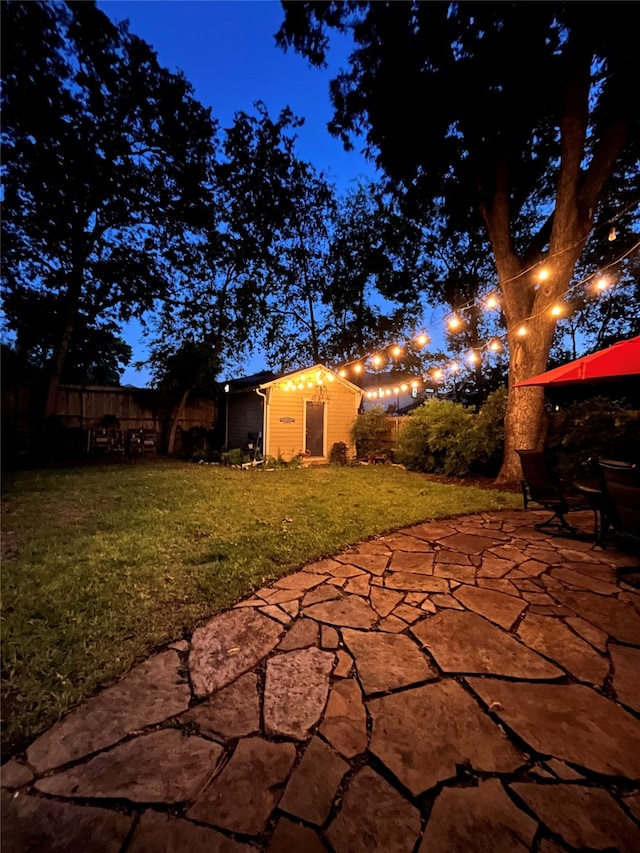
[305, 412]
[395, 392]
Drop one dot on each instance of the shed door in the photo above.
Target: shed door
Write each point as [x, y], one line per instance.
[314, 438]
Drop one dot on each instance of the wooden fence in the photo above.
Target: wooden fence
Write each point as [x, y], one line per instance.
[84, 412]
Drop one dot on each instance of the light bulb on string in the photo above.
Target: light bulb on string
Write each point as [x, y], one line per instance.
[454, 323]
[601, 284]
[612, 234]
[437, 374]
[376, 361]
[556, 311]
[422, 340]
[454, 367]
[521, 331]
[543, 274]
[491, 302]
[396, 351]
[472, 358]
[495, 345]
[357, 368]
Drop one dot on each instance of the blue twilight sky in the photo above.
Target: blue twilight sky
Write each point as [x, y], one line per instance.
[227, 50]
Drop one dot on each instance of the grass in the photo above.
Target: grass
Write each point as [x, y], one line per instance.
[104, 564]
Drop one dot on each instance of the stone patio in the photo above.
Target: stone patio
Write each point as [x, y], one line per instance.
[464, 685]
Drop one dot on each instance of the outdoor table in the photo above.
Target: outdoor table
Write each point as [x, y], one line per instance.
[592, 490]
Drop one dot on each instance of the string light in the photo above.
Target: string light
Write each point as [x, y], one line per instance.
[612, 234]
[597, 281]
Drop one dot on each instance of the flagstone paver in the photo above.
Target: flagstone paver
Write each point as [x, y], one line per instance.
[150, 693]
[477, 818]
[157, 832]
[467, 643]
[557, 642]
[295, 692]
[230, 713]
[423, 733]
[386, 661]
[161, 767]
[374, 818]
[313, 784]
[229, 645]
[33, 824]
[345, 720]
[568, 721]
[626, 680]
[243, 796]
[583, 817]
[459, 685]
[350, 610]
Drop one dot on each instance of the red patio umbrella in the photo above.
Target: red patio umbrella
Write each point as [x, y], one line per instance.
[616, 362]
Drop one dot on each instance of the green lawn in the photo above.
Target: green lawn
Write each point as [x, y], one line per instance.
[103, 564]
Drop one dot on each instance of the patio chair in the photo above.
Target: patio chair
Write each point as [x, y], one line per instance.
[621, 487]
[540, 486]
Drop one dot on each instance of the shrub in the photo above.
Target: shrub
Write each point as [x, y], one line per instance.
[590, 429]
[442, 437]
[436, 438]
[235, 456]
[371, 432]
[487, 438]
[338, 454]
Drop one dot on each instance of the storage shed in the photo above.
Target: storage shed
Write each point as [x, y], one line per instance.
[305, 412]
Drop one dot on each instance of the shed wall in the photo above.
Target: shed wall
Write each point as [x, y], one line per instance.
[245, 416]
[286, 430]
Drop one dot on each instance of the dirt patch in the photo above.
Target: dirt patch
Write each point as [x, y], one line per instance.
[488, 483]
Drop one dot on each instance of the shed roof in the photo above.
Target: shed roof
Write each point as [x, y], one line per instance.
[312, 370]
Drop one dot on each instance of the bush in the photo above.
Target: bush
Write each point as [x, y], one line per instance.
[338, 454]
[590, 429]
[442, 437]
[235, 456]
[487, 439]
[436, 438]
[371, 433]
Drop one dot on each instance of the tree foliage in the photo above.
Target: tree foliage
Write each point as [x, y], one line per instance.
[105, 157]
[514, 116]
